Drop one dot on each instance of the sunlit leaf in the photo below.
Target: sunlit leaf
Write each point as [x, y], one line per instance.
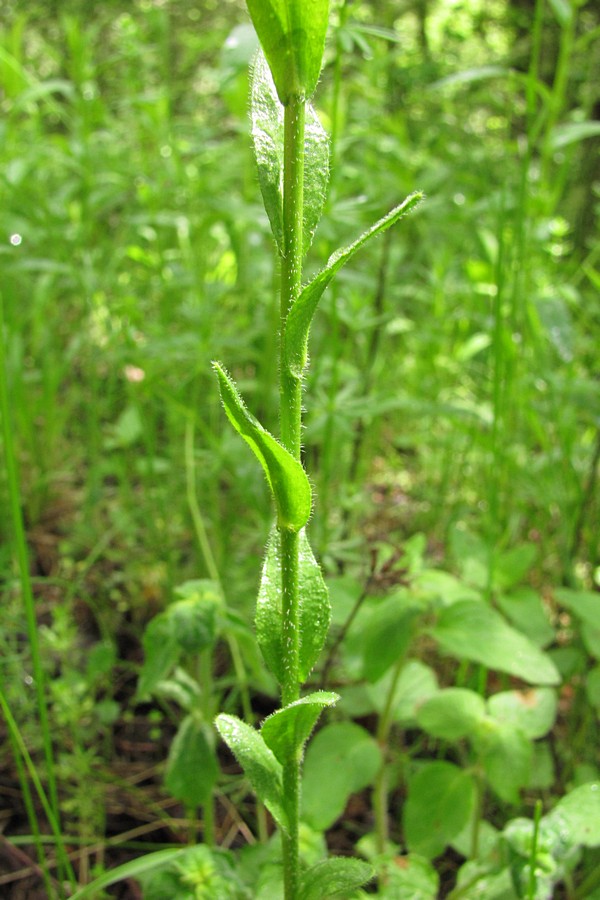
[292, 35]
[267, 132]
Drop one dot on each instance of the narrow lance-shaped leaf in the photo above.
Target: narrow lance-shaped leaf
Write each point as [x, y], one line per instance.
[314, 609]
[292, 35]
[263, 770]
[285, 475]
[288, 729]
[298, 322]
[267, 133]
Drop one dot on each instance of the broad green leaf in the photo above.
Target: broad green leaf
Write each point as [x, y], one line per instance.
[267, 116]
[533, 711]
[341, 759]
[286, 477]
[192, 769]
[292, 35]
[585, 604]
[440, 800]
[295, 338]
[314, 609]
[410, 877]
[287, 730]
[506, 754]
[578, 814]
[194, 617]
[334, 877]
[258, 762]
[525, 610]
[416, 684]
[475, 631]
[387, 634]
[162, 652]
[451, 714]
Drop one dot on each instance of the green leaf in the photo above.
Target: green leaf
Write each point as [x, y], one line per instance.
[286, 477]
[132, 869]
[192, 769]
[506, 753]
[297, 327]
[525, 610]
[267, 117]
[585, 604]
[578, 814]
[451, 714]
[341, 759]
[440, 800]
[475, 631]
[292, 35]
[258, 762]
[533, 712]
[563, 11]
[287, 730]
[334, 877]
[410, 877]
[573, 132]
[162, 652]
[194, 617]
[386, 636]
[313, 615]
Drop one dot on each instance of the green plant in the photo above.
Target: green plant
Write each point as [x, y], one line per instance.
[292, 615]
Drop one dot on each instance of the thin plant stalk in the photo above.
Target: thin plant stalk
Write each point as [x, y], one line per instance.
[291, 426]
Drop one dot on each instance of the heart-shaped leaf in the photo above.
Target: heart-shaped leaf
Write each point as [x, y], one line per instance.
[288, 729]
[295, 346]
[263, 770]
[286, 477]
[292, 35]
[314, 612]
[267, 116]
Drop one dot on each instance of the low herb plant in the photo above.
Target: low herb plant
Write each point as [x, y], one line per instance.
[293, 611]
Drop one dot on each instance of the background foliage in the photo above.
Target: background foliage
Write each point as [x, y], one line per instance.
[454, 369]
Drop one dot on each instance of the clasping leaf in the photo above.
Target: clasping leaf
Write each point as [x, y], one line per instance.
[267, 134]
[300, 316]
[287, 730]
[292, 35]
[287, 479]
[314, 609]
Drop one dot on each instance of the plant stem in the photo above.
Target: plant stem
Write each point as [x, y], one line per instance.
[290, 412]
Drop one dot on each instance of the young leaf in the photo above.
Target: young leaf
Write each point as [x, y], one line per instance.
[314, 608]
[258, 762]
[286, 477]
[578, 813]
[292, 35]
[192, 769]
[451, 714]
[440, 800]
[298, 322]
[506, 753]
[288, 729]
[472, 630]
[334, 877]
[341, 759]
[267, 134]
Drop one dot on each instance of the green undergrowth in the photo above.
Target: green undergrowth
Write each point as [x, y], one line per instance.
[451, 436]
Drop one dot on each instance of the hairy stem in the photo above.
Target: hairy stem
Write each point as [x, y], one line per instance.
[291, 427]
